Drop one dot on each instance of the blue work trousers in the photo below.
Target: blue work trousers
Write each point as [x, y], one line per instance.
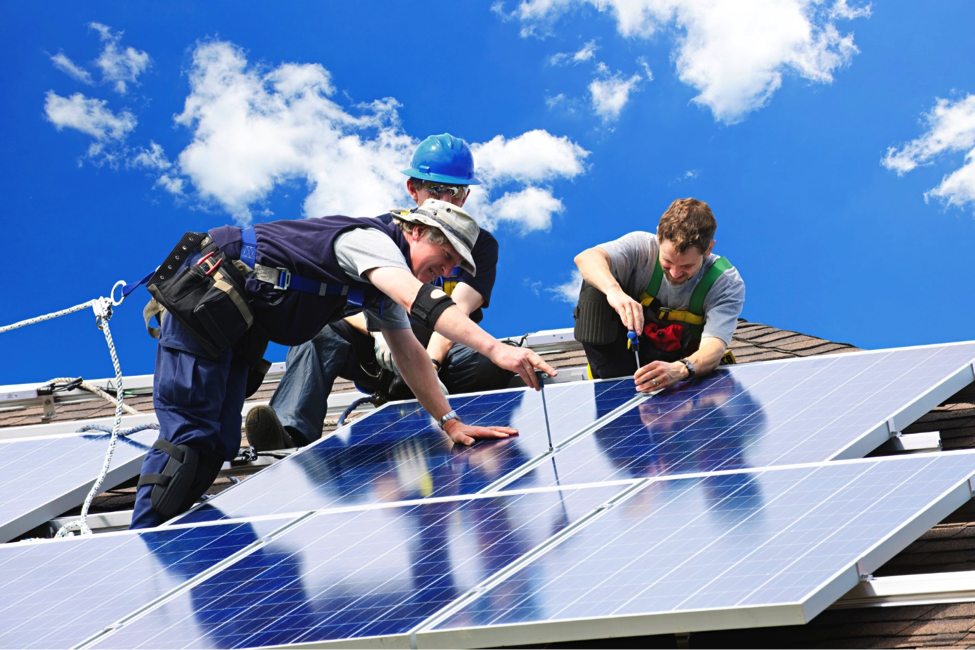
[198, 401]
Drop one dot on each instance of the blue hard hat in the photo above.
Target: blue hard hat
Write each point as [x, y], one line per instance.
[443, 159]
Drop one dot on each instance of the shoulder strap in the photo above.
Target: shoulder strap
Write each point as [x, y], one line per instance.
[653, 287]
[696, 305]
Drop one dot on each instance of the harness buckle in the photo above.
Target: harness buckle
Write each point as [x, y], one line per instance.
[284, 279]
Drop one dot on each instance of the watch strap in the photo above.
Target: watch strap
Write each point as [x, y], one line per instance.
[450, 415]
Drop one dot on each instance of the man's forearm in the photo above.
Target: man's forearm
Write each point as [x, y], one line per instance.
[438, 347]
[708, 356]
[417, 371]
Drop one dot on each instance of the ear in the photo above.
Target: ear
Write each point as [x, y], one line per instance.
[418, 232]
[710, 248]
[411, 188]
[467, 195]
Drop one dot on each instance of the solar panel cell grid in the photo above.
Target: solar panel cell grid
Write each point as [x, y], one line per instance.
[397, 453]
[726, 542]
[760, 415]
[56, 594]
[36, 472]
[367, 573]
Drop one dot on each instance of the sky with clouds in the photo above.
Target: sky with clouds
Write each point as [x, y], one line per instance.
[834, 140]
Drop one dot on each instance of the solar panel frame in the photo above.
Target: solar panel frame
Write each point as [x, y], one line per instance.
[862, 444]
[749, 616]
[50, 503]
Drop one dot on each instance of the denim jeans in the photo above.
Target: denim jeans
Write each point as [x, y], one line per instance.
[301, 399]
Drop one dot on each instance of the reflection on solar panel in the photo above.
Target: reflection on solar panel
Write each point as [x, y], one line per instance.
[40, 478]
[398, 453]
[359, 574]
[58, 593]
[744, 549]
[710, 523]
[760, 415]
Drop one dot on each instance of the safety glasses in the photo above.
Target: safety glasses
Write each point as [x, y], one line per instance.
[438, 189]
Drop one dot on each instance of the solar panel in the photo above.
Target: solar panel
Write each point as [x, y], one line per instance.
[57, 593]
[719, 551]
[759, 415]
[40, 478]
[359, 574]
[398, 453]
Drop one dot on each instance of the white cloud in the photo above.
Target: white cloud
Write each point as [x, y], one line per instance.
[529, 209]
[568, 291]
[610, 95]
[534, 156]
[91, 116]
[587, 52]
[155, 160]
[951, 129]
[734, 52]
[254, 130]
[67, 66]
[518, 166]
[119, 66]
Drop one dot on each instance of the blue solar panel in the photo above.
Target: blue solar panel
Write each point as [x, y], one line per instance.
[759, 415]
[727, 550]
[40, 478]
[357, 574]
[58, 593]
[397, 453]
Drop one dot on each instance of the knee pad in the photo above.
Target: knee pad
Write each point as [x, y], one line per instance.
[171, 487]
[207, 469]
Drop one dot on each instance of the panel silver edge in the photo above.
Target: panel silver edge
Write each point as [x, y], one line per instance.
[613, 627]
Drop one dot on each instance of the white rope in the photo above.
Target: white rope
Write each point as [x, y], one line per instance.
[91, 388]
[39, 319]
[103, 313]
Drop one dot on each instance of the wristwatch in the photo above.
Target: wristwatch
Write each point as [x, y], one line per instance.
[451, 415]
[687, 364]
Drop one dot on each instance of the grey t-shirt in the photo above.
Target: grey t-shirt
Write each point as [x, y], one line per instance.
[632, 259]
[363, 249]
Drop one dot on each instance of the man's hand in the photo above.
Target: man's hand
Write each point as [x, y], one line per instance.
[465, 434]
[630, 311]
[383, 354]
[522, 361]
[658, 375]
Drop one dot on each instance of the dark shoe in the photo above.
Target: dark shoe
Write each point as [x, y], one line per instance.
[264, 430]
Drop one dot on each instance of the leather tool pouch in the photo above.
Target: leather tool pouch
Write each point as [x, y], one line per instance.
[207, 297]
[596, 322]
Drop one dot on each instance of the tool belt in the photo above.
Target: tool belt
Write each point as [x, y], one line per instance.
[206, 297]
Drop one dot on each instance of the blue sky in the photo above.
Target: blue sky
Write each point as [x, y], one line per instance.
[834, 140]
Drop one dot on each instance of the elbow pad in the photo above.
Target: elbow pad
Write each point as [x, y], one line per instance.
[427, 309]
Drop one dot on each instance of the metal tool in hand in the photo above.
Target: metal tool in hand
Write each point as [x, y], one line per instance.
[633, 343]
[541, 382]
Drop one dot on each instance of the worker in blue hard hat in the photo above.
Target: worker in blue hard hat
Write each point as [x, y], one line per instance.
[442, 168]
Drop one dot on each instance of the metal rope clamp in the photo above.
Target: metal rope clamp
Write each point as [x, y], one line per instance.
[103, 311]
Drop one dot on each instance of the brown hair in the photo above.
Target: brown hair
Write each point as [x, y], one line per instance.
[686, 223]
[434, 235]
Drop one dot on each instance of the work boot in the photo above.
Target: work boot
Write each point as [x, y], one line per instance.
[264, 430]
